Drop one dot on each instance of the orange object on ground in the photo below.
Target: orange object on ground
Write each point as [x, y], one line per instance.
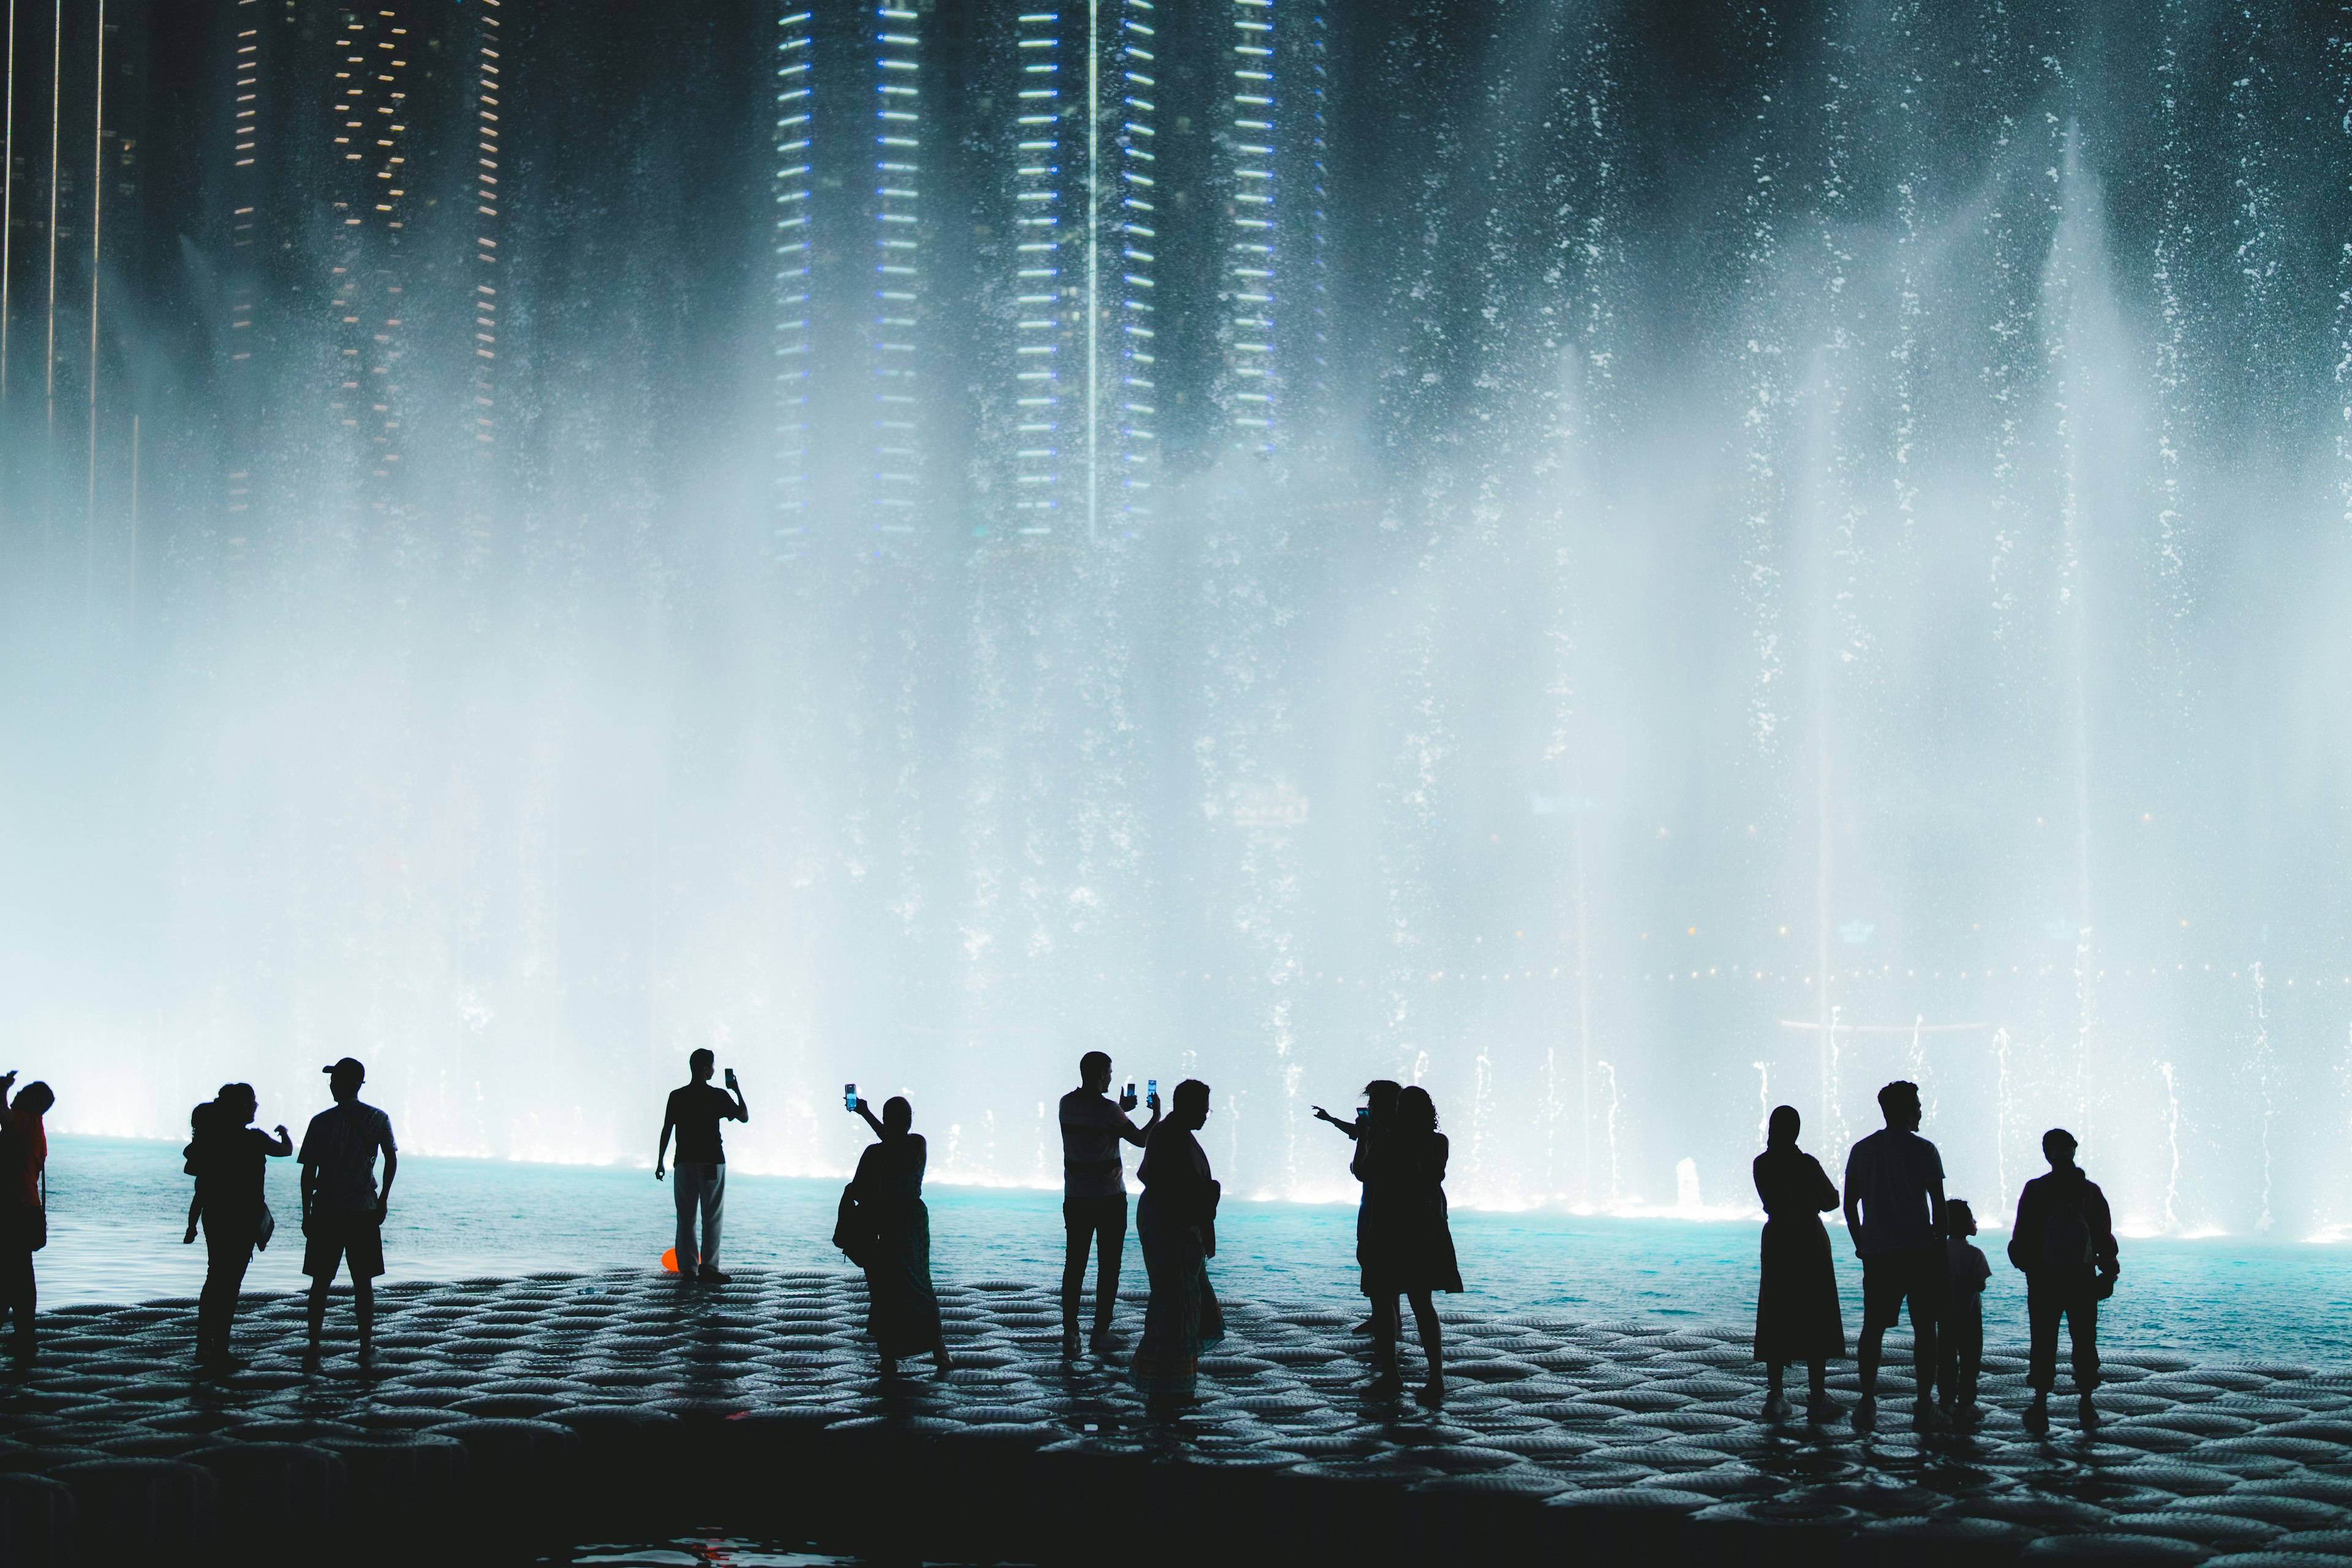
[669, 1261]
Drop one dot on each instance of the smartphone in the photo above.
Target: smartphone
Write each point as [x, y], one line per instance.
[1363, 1114]
[849, 1097]
[730, 1078]
[1155, 1088]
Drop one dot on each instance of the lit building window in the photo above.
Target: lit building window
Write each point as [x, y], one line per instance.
[1041, 294]
[794, 339]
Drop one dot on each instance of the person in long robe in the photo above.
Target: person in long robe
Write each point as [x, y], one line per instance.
[893, 1230]
[1176, 1220]
[1797, 1312]
[1404, 1243]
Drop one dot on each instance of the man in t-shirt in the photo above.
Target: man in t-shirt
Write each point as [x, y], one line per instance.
[343, 1208]
[1894, 1192]
[694, 1114]
[1094, 1192]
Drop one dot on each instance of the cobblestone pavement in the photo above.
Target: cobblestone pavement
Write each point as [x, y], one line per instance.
[1550, 1425]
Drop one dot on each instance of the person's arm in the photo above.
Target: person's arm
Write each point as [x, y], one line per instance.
[308, 1189]
[661, 1149]
[383, 1194]
[1935, 1204]
[285, 1144]
[871, 1120]
[1852, 1207]
[742, 1110]
[1444, 1147]
[2104, 1254]
[1138, 1136]
[2027, 1225]
[1827, 1197]
[1320, 1115]
[196, 1206]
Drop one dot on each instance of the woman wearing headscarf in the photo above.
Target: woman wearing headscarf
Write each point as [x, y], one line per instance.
[889, 1233]
[1797, 1314]
[1176, 1220]
[1404, 1244]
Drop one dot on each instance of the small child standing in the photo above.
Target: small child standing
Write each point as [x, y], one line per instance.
[1965, 1273]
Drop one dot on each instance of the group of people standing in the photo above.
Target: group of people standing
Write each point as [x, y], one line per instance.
[1915, 1251]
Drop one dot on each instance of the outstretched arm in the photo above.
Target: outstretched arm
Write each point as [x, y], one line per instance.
[285, 1144]
[871, 1120]
[1138, 1136]
[1347, 1127]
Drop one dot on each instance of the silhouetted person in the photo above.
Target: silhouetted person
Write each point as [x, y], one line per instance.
[23, 1203]
[1379, 1106]
[230, 1157]
[892, 1231]
[2065, 1240]
[694, 1113]
[1176, 1219]
[1894, 1190]
[1405, 1246]
[1797, 1312]
[343, 1209]
[1094, 1192]
[1962, 1332]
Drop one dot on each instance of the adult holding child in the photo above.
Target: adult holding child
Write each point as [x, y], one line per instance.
[1797, 1312]
[230, 1159]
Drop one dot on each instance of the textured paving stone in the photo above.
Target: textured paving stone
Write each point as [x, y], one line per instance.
[1658, 1427]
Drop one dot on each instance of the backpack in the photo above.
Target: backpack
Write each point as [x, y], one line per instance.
[2066, 1236]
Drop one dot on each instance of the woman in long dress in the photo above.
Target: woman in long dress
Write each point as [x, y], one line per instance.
[1176, 1220]
[1403, 1244]
[894, 1235]
[1797, 1313]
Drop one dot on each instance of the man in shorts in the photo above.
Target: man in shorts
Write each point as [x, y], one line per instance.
[342, 1210]
[1894, 1192]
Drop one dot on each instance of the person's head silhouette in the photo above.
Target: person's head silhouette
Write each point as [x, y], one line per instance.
[1415, 1111]
[702, 1063]
[897, 1116]
[1899, 1103]
[237, 1103]
[1958, 1218]
[36, 1098]
[1191, 1105]
[1094, 1071]
[1380, 1098]
[2058, 1148]
[344, 1079]
[1781, 1130]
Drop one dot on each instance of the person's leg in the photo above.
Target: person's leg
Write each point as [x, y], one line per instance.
[1078, 1233]
[2043, 1307]
[1772, 1375]
[685, 1191]
[1876, 1317]
[1432, 1344]
[1111, 1240]
[1927, 1289]
[2082, 1329]
[1817, 1380]
[1384, 1341]
[22, 1297]
[1970, 1359]
[714, 1213]
[363, 1308]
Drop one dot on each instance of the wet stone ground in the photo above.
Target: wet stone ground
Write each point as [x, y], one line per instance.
[506, 1416]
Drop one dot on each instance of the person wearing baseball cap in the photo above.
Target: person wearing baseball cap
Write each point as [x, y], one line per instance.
[343, 1208]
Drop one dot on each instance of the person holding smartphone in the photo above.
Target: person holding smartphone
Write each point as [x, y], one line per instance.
[694, 1112]
[1094, 1192]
